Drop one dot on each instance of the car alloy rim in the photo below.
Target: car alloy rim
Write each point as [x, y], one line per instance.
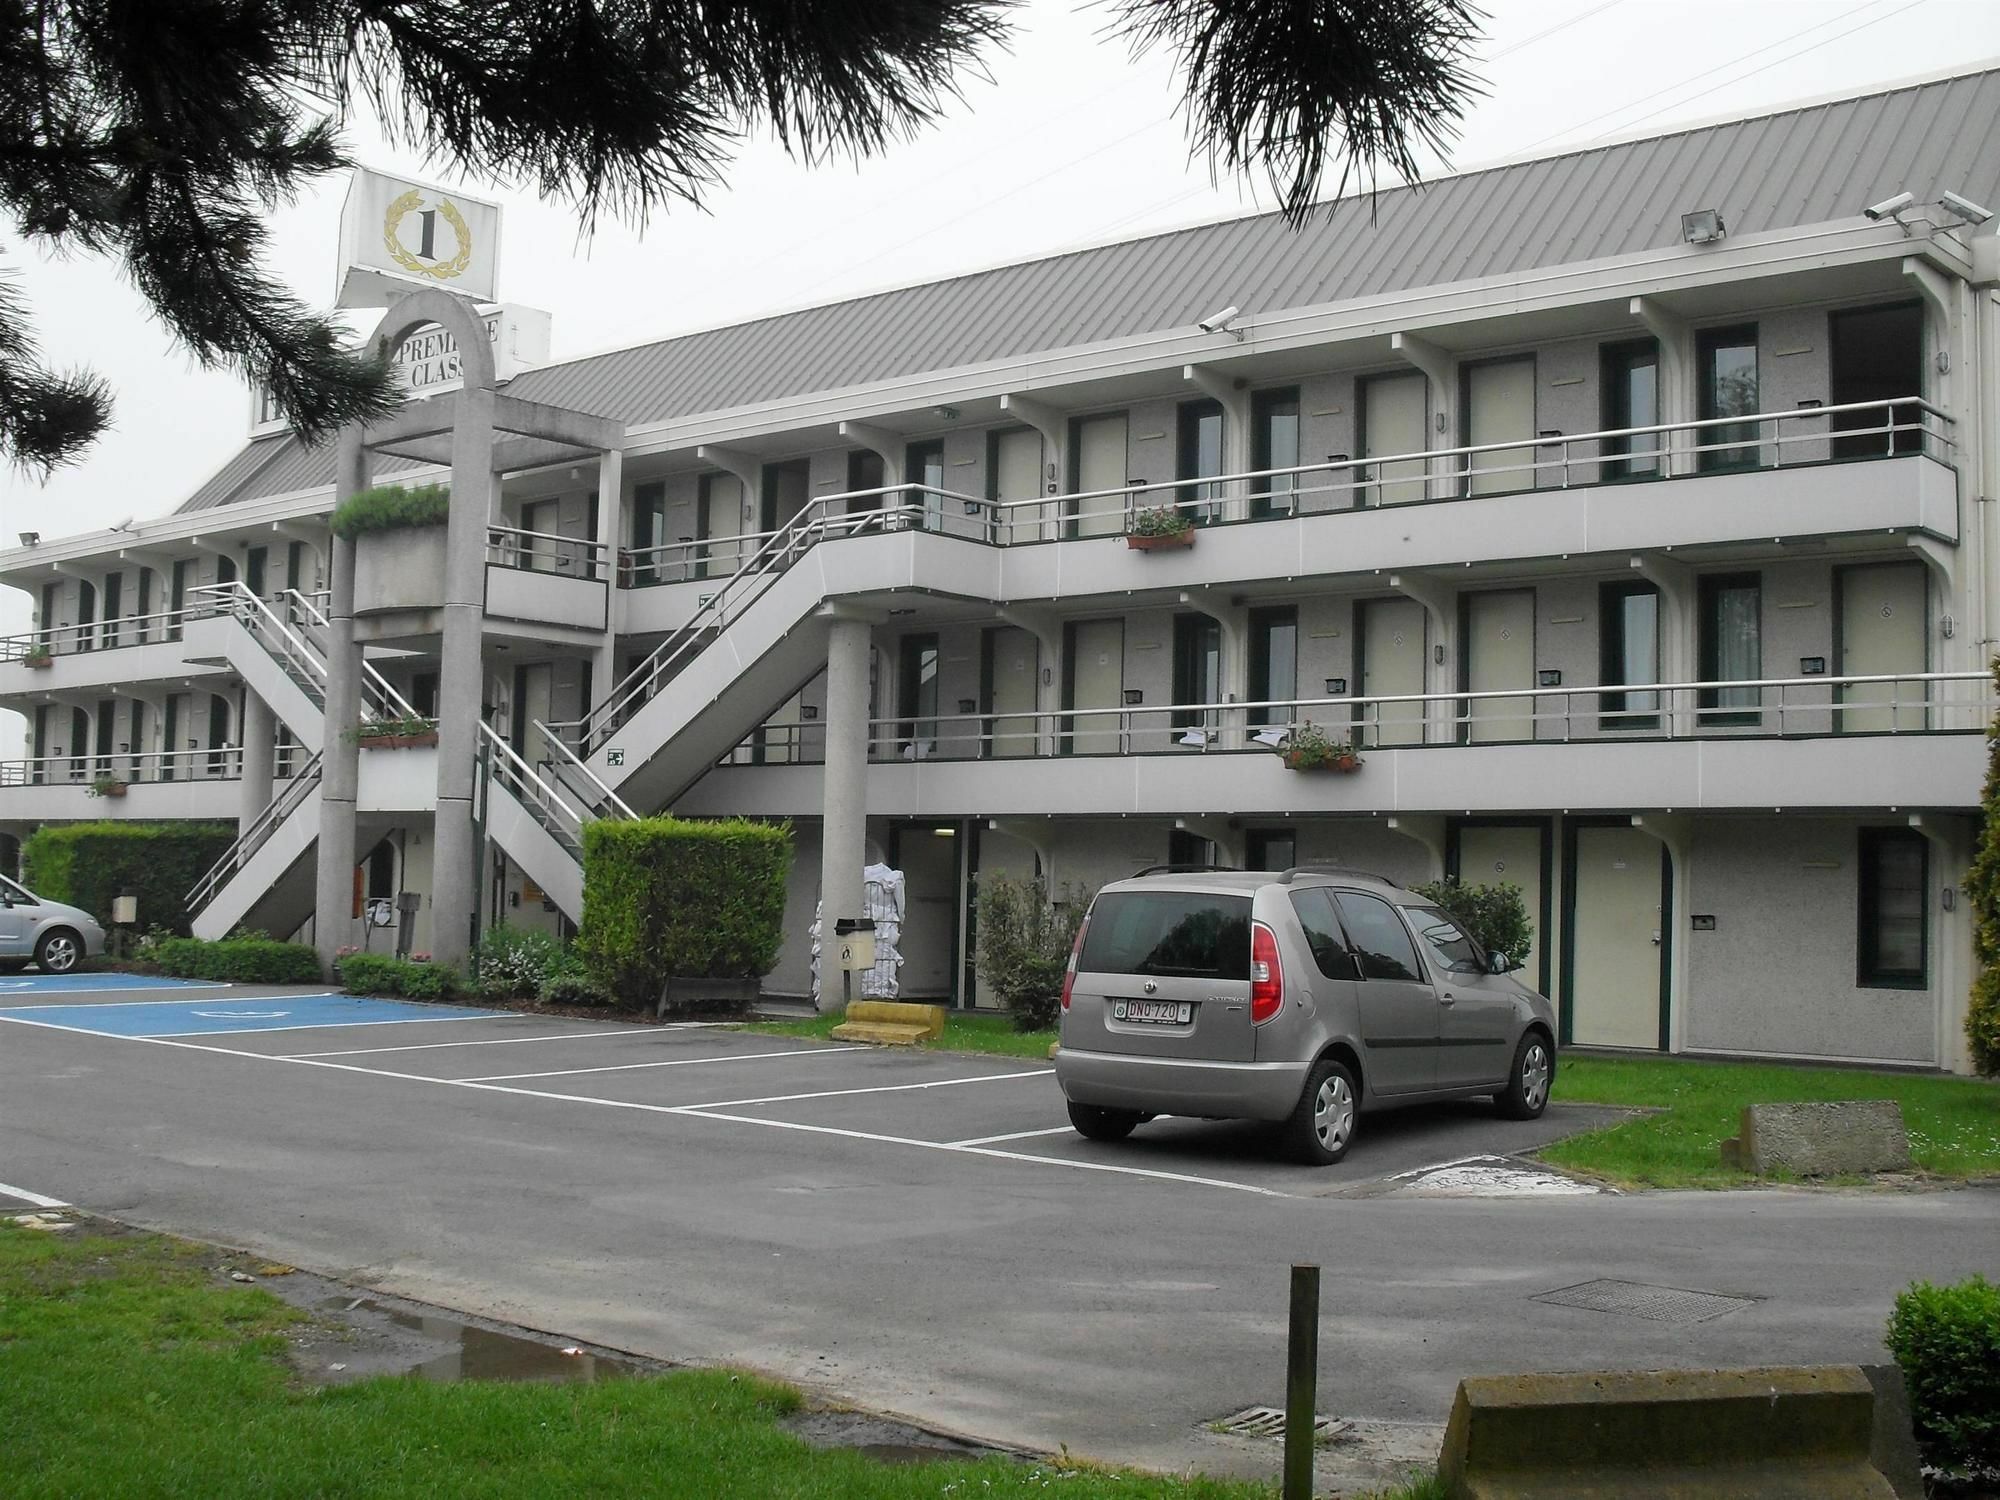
[1535, 1076]
[61, 953]
[1333, 1112]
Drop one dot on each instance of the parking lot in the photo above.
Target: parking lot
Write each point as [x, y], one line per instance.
[920, 1232]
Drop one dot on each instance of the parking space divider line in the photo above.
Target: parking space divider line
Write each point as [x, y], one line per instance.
[484, 1041]
[685, 1112]
[671, 1062]
[35, 1200]
[1018, 1135]
[884, 1088]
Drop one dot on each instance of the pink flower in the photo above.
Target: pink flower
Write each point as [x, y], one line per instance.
[422, 958]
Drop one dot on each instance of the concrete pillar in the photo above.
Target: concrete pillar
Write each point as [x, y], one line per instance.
[455, 879]
[260, 740]
[844, 831]
[340, 765]
[610, 512]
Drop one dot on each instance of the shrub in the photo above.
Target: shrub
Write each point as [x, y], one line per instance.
[572, 986]
[1947, 1341]
[1982, 891]
[1495, 915]
[385, 974]
[1161, 520]
[241, 960]
[86, 864]
[389, 507]
[670, 898]
[514, 962]
[1024, 944]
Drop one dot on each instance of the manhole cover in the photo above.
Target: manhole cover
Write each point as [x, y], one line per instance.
[1269, 1421]
[1635, 1299]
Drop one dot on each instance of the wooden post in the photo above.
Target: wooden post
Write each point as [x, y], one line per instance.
[1301, 1383]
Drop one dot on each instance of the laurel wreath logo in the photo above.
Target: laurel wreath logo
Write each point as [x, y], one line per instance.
[444, 270]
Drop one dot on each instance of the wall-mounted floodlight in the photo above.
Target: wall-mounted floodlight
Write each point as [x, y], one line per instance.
[124, 525]
[31, 539]
[1221, 323]
[1703, 227]
[1964, 208]
[1889, 208]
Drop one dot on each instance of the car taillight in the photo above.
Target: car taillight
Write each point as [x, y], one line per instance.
[1069, 974]
[1267, 975]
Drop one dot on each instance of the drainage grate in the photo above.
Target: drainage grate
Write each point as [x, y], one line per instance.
[1635, 1299]
[1269, 1422]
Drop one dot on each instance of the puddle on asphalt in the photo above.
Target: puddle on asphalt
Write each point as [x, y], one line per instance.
[481, 1354]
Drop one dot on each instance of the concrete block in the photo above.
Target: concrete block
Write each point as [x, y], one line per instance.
[1832, 1139]
[1782, 1433]
[891, 1023]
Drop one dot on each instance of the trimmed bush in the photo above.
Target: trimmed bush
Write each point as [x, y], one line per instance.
[1947, 1341]
[404, 978]
[514, 962]
[389, 507]
[673, 898]
[1982, 893]
[86, 864]
[240, 960]
[1024, 944]
[1495, 915]
[572, 987]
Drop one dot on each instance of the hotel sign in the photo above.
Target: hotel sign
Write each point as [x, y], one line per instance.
[397, 236]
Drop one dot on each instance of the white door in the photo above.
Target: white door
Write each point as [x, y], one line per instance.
[1017, 475]
[1494, 854]
[1015, 665]
[1500, 654]
[1392, 663]
[1393, 408]
[540, 520]
[721, 516]
[1884, 614]
[1097, 681]
[1613, 988]
[1101, 449]
[1500, 406]
[537, 687]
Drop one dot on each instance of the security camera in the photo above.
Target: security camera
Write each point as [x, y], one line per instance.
[1219, 322]
[1888, 208]
[1965, 208]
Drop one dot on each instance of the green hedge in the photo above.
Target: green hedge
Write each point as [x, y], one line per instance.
[389, 507]
[385, 974]
[672, 898]
[241, 960]
[1947, 1341]
[86, 864]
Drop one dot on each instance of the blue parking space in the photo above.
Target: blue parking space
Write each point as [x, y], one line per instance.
[225, 1015]
[96, 982]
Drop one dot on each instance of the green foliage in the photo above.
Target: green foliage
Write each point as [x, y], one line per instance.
[1024, 945]
[671, 898]
[1160, 520]
[1947, 1341]
[1982, 891]
[237, 960]
[1310, 748]
[571, 985]
[86, 864]
[391, 507]
[385, 974]
[392, 727]
[104, 784]
[1496, 915]
[513, 963]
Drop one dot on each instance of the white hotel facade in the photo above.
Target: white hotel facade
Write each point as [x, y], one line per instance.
[1646, 560]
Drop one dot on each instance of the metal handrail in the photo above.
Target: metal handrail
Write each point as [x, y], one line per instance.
[523, 778]
[253, 838]
[68, 770]
[605, 794]
[387, 703]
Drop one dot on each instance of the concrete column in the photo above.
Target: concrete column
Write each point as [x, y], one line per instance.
[455, 878]
[340, 765]
[259, 745]
[610, 512]
[844, 831]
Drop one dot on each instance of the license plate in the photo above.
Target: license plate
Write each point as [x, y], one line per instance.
[1154, 1012]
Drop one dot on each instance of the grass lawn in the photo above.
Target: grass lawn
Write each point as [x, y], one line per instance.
[128, 1368]
[962, 1033]
[1954, 1123]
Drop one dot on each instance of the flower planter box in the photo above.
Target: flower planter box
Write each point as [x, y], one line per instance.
[38, 663]
[399, 569]
[111, 789]
[710, 994]
[1160, 543]
[1345, 764]
[398, 741]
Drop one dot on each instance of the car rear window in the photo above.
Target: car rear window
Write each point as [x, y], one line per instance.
[1168, 932]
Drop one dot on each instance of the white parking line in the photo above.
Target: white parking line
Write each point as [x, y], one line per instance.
[672, 1062]
[686, 1112]
[1019, 1135]
[33, 1198]
[884, 1088]
[489, 1041]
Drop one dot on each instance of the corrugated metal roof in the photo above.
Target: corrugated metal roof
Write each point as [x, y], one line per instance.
[1806, 165]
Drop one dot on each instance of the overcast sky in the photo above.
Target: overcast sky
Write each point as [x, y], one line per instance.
[1069, 142]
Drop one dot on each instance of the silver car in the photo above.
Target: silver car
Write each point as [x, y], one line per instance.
[1305, 999]
[55, 936]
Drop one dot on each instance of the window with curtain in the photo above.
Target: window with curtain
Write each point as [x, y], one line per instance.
[1732, 647]
[1629, 652]
[1275, 415]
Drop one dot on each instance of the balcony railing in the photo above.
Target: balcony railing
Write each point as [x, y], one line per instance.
[545, 552]
[202, 763]
[1774, 707]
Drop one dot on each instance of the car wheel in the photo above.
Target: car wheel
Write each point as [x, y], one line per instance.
[1329, 1111]
[1527, 1091]
[59, 952]
[1096, 1124]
